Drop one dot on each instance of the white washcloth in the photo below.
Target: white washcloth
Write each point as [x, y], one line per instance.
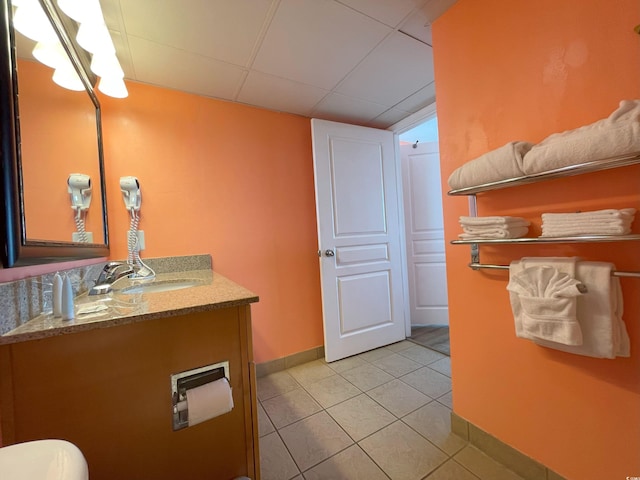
[494, 221]
[500, 164]
[618, 134]
[489, 233]
[599, 311]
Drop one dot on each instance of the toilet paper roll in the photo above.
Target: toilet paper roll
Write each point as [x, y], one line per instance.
[208, 401]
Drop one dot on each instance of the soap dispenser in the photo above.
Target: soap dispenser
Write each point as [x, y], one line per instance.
[67, 307]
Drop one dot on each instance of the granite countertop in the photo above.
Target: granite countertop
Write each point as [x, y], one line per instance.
[213, 291]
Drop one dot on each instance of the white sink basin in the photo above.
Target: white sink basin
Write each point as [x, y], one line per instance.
[43, 460]
[161, 286]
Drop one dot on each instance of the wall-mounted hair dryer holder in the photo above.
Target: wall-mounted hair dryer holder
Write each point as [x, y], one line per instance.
[183, 381]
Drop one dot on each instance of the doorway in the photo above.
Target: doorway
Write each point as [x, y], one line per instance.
[424, 232]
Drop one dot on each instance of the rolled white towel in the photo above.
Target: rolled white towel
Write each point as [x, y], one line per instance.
[617, 134]
[508, 221]
[499, 164]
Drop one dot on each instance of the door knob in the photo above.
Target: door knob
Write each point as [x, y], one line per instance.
[329, 253]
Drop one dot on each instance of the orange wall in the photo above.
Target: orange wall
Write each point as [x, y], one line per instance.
[509, 70]
[217, 178]
[229, 180]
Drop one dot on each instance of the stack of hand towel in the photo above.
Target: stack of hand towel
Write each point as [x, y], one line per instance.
[493, 227]
[600, 222]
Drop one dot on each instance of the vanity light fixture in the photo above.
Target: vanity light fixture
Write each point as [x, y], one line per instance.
[93, 35]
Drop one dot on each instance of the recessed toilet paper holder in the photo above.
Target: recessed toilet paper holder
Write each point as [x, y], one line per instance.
[183, 381]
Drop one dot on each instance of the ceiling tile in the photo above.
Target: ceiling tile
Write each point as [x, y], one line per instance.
[389, 12]
[340, 108]
[422, 98]
[418, 26]
[173, 68]
[226, 31]
[316, 42]
[279, 94]
[434, 8]
[389, 118]
[396, 69]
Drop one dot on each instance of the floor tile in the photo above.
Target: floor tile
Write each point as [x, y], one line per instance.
[422, 355]
[314, 439]
[350, 464]
[399, 346]
[483, 466]
[428, 382]
[452, 471]
[345, 364]
[377, 354]
[433, 421]
[398, 397]
[367, 377]
[446, 400]
[276, 384]
[361, 416]
[290, 407]
[396, 365]
[332, 390]
[275, 461]
[264, 424]
[443, 366]
[402, 453]
[311, 372]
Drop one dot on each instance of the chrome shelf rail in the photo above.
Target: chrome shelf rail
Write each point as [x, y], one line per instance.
[578, 169]
[489, 266]
[580, 239]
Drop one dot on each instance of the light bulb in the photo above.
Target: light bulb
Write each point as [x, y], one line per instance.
[67, 77]
[95, 38]
[106, 65]
[31, 21]
[82, 10]
[51, 54]
[113, 86]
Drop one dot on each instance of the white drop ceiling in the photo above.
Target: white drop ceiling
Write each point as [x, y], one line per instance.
[367, 62]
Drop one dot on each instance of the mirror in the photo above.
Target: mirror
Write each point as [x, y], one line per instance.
[48, 134]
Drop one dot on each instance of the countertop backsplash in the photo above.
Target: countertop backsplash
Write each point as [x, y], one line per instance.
[22, 300]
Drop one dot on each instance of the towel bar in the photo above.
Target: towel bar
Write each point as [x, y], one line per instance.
[489, 266]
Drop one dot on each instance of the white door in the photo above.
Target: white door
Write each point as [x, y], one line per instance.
[358, 237]
[424, 233]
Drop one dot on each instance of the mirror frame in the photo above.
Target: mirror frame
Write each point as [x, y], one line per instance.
[19, 250]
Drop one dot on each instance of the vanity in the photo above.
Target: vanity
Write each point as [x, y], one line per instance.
[102, 381]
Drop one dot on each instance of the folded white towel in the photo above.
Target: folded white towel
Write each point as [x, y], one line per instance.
[618, 134]
[509, 221]
[588, 229]
[499, 164]
[489, 233]
[599, 311]
[611, 214]
[544, 304]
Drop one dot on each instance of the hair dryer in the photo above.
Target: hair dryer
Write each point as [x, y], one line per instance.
[131, 193]
[79, 187]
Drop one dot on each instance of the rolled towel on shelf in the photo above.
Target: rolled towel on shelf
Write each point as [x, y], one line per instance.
[499, 164]
[618, 134]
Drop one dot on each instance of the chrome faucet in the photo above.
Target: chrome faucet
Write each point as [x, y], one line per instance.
[112, 272]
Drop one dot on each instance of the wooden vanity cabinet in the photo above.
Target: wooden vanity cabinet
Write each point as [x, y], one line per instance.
[108, 391]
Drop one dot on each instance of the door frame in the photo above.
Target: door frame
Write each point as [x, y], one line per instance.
[398, 128]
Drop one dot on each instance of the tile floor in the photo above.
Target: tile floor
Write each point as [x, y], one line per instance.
[383, 414]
